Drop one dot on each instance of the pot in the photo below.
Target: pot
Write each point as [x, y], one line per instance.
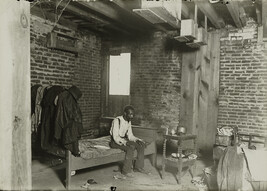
[181, 130]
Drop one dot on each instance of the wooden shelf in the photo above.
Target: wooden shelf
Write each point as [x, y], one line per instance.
[173, 161]
[158, 15]
[59, 41]
[180, 137]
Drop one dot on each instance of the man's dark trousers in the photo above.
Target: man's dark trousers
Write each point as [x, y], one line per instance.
[129, 149]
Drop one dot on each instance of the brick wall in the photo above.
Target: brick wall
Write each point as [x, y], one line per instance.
[55, 67]
[243, 81]
[155, 82]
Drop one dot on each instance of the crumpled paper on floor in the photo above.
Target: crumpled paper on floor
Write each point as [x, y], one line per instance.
[199, 183]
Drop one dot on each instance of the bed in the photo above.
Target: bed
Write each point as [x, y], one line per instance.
[95, 152]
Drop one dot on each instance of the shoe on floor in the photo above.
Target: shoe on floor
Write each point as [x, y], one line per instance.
[128, 175]
[119, 176]
[141, 170]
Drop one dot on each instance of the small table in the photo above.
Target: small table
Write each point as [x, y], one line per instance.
[179, 162]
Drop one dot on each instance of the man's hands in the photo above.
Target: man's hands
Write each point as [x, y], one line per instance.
[123, 142]
[141, 142]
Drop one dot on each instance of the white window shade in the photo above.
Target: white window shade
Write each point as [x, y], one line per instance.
[119, 74]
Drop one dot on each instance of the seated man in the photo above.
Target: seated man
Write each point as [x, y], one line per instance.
[123, 138]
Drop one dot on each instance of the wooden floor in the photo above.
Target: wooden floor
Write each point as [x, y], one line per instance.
[49, 173]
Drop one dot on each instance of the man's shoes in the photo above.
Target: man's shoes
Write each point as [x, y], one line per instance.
[141, 170]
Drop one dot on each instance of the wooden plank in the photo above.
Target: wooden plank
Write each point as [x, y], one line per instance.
[209, 91]
[189, 91]
[5, 98]
[208, 10]
[258, 13]
[233, 8]
[15, 131]
[89, 17]
[158, 15]
[128, 6]
[68, 169]
[260, 34]
[186, 12]
[242, 16]
[127, 21]
[264, 19]
[181, 137]
[78, 21]
[213, 106]
[203, 99]
[196, 93]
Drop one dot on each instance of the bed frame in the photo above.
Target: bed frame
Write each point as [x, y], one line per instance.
[77, 163]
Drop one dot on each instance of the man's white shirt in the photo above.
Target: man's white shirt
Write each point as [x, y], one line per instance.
[119, 130]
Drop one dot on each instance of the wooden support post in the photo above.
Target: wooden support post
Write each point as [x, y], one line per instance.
[206, 8]
[260, 34]
[200, 91]
[15, 125]
[206, 23]
[258, 13]
[185, 11]
[68, 169]
[195, 15]
[242, 16]
[264, 19]
[203, 98]
[189, 91]
[233, 9]
[209, 88]
[213, 105]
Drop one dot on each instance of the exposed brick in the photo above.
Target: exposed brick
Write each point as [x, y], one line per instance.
[155, 86]
[55, 67]
[243, 82]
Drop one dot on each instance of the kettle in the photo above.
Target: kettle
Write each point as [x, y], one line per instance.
[181, 130]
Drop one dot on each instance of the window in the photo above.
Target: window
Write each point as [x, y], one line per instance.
[119, 74]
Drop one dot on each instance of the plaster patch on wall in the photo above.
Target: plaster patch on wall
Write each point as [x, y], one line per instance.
[249, 32]
[241, 35]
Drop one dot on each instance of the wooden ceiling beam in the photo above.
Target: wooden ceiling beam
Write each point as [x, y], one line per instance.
[78, 12]
[242, 16]
[258, 14]
[186, 12]
[69, 16]
[93, 29]
[129, 6]
[89, 17]
[126, 20]
[206, 8]
[79, 21]
[233, 9]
